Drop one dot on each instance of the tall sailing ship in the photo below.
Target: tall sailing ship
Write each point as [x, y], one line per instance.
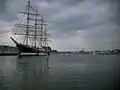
[33, 30]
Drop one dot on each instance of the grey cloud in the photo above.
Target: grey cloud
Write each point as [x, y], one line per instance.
[118, 12]
[10, 9]
[96, 20]
[91, 20]
[67, 2]
[2, 5]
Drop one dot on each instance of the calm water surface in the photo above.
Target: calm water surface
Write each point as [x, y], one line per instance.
[60, 72]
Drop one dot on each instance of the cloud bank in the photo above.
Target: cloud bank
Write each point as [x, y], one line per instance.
[74, 24]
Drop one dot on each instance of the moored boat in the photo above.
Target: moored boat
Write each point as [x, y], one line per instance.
[34, 31]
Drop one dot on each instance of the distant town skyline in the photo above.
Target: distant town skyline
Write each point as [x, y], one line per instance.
[73, 24]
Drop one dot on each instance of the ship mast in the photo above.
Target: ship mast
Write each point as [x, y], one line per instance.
[35, 38]
[27, 31]
[36, 31]
[41, 38]
[45, 38]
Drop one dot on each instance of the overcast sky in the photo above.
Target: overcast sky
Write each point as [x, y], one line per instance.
[74, 24]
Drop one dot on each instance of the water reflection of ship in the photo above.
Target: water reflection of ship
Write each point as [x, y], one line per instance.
[38, 63]
[31, 72]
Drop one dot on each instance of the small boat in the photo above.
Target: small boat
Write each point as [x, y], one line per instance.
[34, 30]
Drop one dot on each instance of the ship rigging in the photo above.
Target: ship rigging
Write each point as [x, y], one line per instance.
[35, 30]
